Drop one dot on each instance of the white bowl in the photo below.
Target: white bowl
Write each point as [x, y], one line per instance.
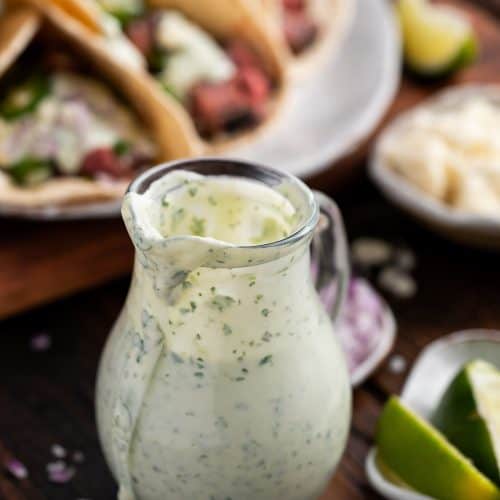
[429, 378]
[459, 226]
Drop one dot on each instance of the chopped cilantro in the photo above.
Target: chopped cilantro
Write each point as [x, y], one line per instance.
[197, 226]
[265, 360]
[221, 302]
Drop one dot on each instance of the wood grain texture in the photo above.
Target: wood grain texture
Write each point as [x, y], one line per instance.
[47, 397]
[63, 258]
[40, 262]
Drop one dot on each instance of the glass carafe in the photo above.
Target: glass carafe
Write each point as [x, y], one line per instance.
[222, 378]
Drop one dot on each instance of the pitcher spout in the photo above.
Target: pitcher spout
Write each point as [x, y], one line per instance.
[226, 224]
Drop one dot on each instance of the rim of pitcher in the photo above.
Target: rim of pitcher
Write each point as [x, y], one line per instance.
[207, 166]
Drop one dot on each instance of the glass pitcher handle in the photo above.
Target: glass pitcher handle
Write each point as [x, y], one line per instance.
[329, 253]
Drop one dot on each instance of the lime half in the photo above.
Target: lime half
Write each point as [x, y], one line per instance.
[420, 457]
[469, 416]
[437, 39]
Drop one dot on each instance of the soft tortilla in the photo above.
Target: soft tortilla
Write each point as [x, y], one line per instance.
[224, 19]
[335, 17]
[17, 30]
[86, 12]
[59, 191]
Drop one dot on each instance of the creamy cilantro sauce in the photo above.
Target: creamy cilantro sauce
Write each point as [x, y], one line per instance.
[239, 212]
[222, 378]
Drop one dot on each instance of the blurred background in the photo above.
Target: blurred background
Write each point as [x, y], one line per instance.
[390, 107]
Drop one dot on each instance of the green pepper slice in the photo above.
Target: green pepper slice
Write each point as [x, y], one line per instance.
[30, 171]
[24, 98]
[122, 147]
[124, 14]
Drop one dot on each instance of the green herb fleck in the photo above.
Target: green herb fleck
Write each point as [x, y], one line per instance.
[221, 302]
[199, 374]
[212, 201]
[193, 306]
[266, 337]
[227, 329]
[265, 360]
[177, 358]
[197, 226]
[177, 217]
[30, 171]
[265, 312]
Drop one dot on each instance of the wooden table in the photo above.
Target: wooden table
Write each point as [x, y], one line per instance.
[47, 397]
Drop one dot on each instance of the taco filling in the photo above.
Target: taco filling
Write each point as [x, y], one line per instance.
[123, 10]
[299, 27]
[56, 122]
[225, 87]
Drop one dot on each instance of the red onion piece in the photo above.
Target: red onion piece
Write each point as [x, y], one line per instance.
[16, 468]
[62, 475]
[40, 342]
[360, 326]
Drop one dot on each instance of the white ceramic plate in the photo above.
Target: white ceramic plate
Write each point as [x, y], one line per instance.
[429, 378]
[459, 226]
[328, 114]
[325, 116]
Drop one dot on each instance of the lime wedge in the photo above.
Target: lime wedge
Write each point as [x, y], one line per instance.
[437, 39]
[420, 457]
[469, 416]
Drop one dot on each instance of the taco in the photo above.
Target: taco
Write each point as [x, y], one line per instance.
[212, 61]
[305, 26]
[66, 136]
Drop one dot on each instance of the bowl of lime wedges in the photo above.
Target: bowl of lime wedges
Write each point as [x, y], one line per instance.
[441, 438]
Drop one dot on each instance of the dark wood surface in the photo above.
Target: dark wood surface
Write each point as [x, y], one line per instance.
[47, 397]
